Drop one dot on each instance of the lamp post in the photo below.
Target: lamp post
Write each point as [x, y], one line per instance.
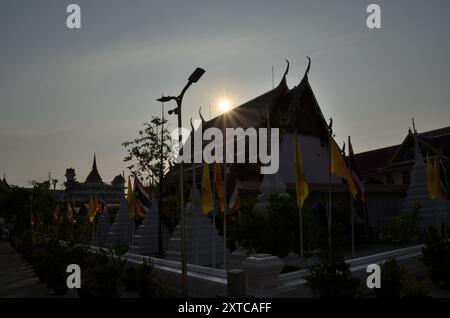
[161, 176]
[195, 76]
[54, 182]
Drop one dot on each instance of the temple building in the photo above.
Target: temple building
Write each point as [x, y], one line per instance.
[79, 192]
[292, 110]
[393, 165]
[386, 172]
[4, 186]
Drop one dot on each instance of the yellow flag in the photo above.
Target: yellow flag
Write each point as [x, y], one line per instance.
[70, 213]
[96, 205]
[92, 207]
[300, 181]
[219, 185]
[339, 167]
[207, 198]
[433, 177]
[130, 199]
[437, 173]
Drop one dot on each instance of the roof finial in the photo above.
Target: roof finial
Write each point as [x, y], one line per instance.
[309, 66]
[287, 69]
[330, 126]
[192, 126]
[94, 164]
[414, 126]
[200, 113]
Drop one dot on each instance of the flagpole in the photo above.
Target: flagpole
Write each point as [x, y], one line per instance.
[329, 197]
[444, 172]
[68, 223]
[225, 217]
[214, 221]
[302, 257]
[300, 217]
[366, 217]
[92, 232]
[351, 203]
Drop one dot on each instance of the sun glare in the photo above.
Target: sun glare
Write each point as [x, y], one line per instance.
[224, 105]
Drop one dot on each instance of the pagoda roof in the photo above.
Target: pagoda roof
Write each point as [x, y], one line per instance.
[118, 180]
[437, 142]
[3, 184]
[94, 176]
[292, 110]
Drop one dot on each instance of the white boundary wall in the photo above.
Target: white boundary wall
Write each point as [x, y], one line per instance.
[206, 282]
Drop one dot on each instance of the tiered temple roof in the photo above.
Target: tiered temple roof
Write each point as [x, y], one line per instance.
[94, 176]
[290, 110]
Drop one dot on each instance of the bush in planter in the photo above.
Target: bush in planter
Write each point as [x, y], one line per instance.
[436, 256]
[39, 261]
[146, 285]
[402, 229]
[119, 248]
[57, 262]
[101, 278]
[129, 279]
[24, 244]
[414, 288]
[34, 250]
[78, 254]
[395, 283]
[392, 278]
[332, 279]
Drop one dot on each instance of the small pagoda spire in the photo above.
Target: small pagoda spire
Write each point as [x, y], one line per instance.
[94, 176]
[94, 164]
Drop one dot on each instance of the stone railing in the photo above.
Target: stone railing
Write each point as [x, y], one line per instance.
[260, 275]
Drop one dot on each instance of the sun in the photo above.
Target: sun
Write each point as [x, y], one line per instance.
[224, 105]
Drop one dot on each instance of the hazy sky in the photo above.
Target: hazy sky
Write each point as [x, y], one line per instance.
[65, 94]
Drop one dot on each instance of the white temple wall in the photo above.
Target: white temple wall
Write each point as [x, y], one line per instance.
[315, 158]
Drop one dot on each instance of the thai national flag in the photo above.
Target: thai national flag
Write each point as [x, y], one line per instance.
[142, 198]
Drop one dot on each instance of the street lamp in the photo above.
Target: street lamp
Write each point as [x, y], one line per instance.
[54, 182]
[194, 78]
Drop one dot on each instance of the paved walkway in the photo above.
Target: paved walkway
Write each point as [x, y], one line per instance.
[17, 278]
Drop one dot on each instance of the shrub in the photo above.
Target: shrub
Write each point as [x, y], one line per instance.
[414, 288]
[24, 244]
[392, 277]
[146, 281]
[436, 256]
[102, 275]
[274, 229]
[39, 260]
[332, 279]
[129, 279]
[57, 256]
[402, 229]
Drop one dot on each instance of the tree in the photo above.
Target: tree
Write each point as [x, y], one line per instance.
[149, 157]
[17, 208]
[149, 154]
[274, 230]
[42, 202]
